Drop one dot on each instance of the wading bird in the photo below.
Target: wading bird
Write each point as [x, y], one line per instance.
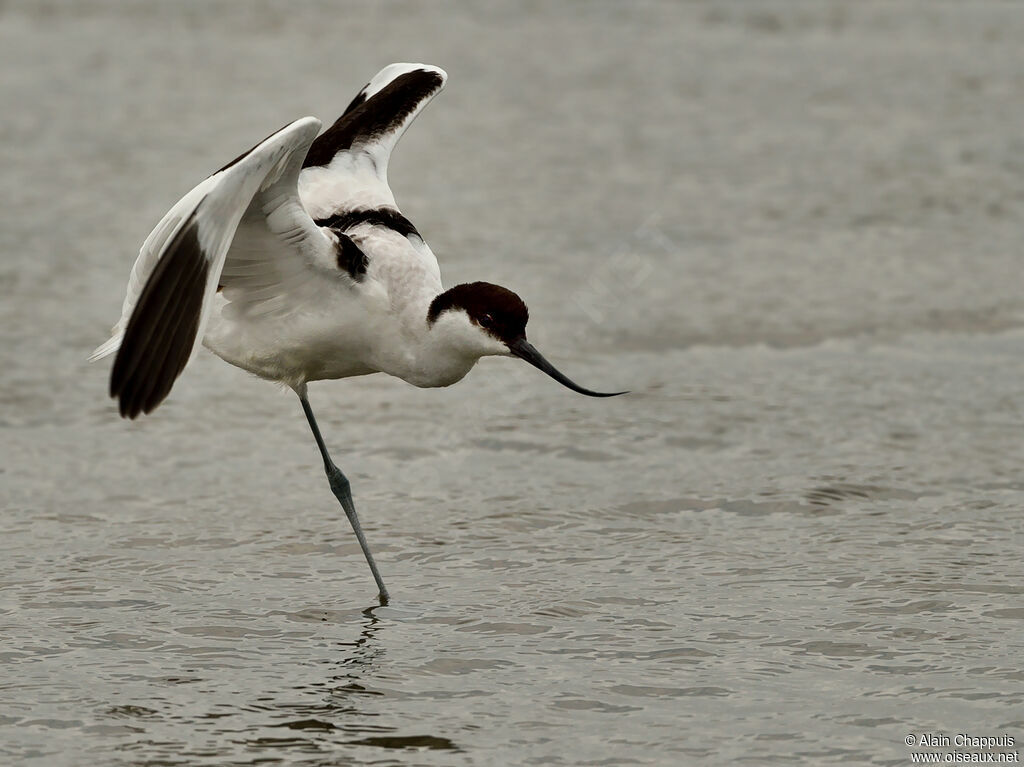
[294, 263]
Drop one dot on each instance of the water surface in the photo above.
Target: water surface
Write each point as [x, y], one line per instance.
[792, 230]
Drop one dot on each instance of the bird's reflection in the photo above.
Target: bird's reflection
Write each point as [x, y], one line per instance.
[362, 655]
[345, 712]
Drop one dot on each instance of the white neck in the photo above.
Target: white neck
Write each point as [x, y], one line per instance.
[438, 362]
[442, 353]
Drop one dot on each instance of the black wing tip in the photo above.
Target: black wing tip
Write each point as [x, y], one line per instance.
[426, 74]
[430, 77]
[368, 118]
[162, 329]
[131, 409]
[128, 410]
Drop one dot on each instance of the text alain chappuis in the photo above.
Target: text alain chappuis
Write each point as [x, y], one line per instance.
[960, 740]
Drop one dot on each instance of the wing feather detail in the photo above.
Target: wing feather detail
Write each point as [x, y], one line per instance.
[298, 221]
[162, 328]
[171, 289]
[347, 165]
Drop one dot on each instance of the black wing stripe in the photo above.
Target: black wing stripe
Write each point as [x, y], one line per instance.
[144, 336]
[369, 119]
[154, 357]
[171, 351]
[175, 349]
[162, 329]
[183, 324]
[178, 352]
[143, 391]
[389, 218]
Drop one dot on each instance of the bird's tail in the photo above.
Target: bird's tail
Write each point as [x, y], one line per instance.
[107, 348]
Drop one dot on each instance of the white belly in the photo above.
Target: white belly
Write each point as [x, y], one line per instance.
[292, 349]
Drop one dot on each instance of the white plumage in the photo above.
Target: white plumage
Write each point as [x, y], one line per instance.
[286, 311]
[294, 263]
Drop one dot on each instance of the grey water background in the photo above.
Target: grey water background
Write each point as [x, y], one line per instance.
[792, 229]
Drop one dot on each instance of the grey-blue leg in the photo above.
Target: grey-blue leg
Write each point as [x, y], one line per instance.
[340, 486]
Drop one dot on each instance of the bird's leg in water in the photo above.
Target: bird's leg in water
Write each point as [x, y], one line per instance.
[343, 492]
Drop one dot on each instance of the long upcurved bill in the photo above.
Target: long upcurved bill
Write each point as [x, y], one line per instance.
[524, 350]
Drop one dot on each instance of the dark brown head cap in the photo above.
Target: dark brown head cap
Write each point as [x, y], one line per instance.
[497, 310]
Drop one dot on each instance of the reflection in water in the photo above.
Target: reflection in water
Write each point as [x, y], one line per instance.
[340, 718]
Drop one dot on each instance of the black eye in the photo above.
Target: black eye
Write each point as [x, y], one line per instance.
[487, 321]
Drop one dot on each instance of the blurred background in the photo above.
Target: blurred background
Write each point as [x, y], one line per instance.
[792, 229]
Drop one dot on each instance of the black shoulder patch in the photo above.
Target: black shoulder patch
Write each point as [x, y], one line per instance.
[351, 258]
[389, 218]
[369, 119]
[162, 329]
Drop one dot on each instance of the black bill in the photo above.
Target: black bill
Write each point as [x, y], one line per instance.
[524, 350]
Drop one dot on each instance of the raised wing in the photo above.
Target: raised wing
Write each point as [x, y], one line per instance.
[152, 249]
[347, 166]
[280, 260]
[170, 293]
